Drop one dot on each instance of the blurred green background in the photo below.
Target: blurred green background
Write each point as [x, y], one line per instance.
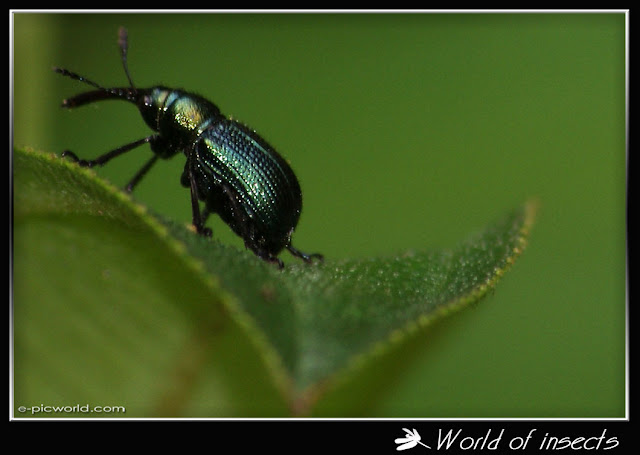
[406, 131]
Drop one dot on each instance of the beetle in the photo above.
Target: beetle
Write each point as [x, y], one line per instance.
[229, 167]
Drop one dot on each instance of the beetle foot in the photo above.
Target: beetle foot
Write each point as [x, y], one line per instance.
[203, 231]
[308, 258]
[74, 158]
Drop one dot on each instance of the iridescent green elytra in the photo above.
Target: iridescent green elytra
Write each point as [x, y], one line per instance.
[235, 172]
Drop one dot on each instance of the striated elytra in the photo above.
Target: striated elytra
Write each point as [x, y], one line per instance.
[229, 167]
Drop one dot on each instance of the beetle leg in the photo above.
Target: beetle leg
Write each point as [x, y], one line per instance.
[102, 159]
[141, 173]
[204, 214]
[308, 258]
[197, 221]
[241, 220]
[274, 260]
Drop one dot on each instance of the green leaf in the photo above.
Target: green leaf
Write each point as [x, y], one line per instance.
[114, 306]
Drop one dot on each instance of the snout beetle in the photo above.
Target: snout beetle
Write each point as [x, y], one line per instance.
[229, 167]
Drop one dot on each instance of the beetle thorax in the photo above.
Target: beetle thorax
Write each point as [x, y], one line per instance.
[176, 114]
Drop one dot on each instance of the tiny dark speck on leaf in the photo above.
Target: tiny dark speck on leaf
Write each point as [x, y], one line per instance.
[268, 292]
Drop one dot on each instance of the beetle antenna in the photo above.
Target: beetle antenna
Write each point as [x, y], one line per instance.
[129, 94]
[124, 45]
[77, 77]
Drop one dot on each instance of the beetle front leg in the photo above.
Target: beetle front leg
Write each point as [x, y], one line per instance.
[103, 159]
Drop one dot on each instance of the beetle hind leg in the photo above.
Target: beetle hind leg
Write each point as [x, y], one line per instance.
[308, 258]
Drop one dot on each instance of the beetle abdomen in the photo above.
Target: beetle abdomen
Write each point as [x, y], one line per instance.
[263, 184]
